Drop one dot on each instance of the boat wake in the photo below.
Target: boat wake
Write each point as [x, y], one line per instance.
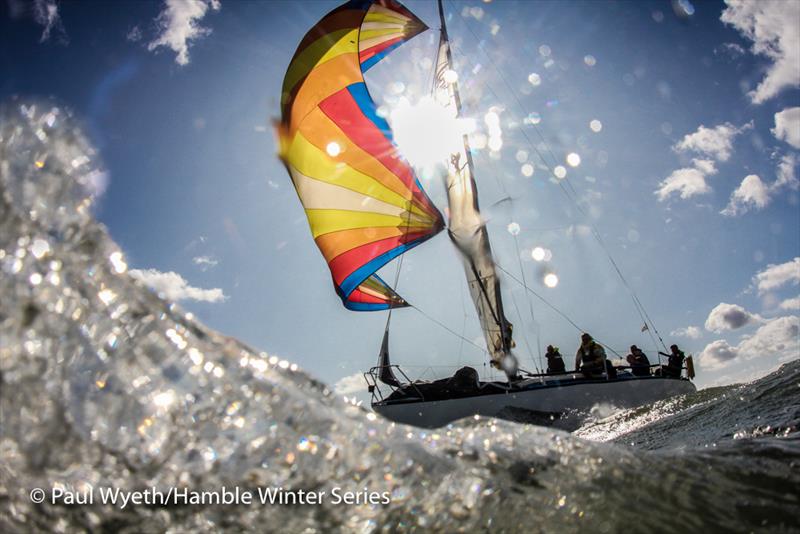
[767, 407]
[106, 385]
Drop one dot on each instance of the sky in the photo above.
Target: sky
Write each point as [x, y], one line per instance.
[685, 119]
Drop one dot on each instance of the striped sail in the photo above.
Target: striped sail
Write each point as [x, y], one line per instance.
[364, 204]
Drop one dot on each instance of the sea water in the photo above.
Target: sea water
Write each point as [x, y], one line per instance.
[111, 395]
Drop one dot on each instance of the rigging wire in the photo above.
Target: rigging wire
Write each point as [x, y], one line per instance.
[554, 308]
[530, 304]
[571, 195]
[444, 326]
[534, 324]
[524, 336]
[463, 324]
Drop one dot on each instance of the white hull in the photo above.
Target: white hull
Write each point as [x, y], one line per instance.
[553, 398]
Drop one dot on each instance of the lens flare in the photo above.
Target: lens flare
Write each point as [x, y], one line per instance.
[551, 280]
[527, 170]
[533, 118]
[333, 149]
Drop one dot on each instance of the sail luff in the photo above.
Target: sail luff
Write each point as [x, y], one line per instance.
[466, 227]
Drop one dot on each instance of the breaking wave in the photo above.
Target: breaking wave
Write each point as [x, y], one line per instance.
[105, 384]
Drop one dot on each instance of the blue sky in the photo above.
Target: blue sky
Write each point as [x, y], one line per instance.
[691, 180]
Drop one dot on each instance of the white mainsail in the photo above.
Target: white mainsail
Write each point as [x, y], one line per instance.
[466, 227]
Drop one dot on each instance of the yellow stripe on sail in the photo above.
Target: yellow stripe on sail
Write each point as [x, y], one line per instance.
[323, 81]
[312, 161]
[327, 221]
[368, 36]
[317, 194]
[319, 130]
[336, 43]
[379, 12]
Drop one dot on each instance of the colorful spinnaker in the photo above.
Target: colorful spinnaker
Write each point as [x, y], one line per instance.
[364, 204]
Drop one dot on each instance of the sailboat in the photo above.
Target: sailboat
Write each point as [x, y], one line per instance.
[365, 208]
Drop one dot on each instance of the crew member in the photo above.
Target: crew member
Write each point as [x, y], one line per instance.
[590, 358]
[640, 365]
[674, 363]
[555, 363]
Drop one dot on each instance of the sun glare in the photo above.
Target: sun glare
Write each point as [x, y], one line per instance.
[551, 280]
[427, 133]
[333, 149]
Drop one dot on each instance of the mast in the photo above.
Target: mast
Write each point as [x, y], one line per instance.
[466, 227]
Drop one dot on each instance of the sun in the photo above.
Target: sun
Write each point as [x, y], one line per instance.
[427, 133]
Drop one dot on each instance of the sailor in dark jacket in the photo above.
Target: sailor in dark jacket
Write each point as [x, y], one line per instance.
[555, 363]
[640, 365]
[590, 358]
[675, 362]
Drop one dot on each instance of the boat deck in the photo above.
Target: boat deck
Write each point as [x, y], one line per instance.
[441, 390]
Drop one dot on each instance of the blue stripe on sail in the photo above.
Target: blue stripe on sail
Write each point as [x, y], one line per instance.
[379, 56]
[363, 306]
[364, 272]
[364, 101]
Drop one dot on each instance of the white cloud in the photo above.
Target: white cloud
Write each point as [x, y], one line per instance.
[45, 12]
[729, 317]
[751, 193]
[686, 182]
[717, 354]
[179, 24]
[348, 385]
[780, 336]
[716, 142]
[174, 287]
[706, 166]
[732, 49]
[778, 339]
[205, 262]
[691, 332]
[791, 304]
[773, 28]
[787, 126]
[776, 276]
[786, 175]
[134, 35]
